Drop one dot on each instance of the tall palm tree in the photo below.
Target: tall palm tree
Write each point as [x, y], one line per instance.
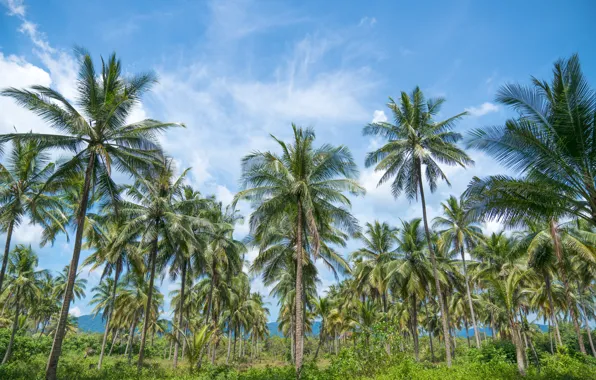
[22, 180]
[416, 141]
[411, 273]
[114, 254]
[307, 184]
[459, 230]
[99, 137]
[156, 215]
[379, 241]
[23, 285]
[550, 145]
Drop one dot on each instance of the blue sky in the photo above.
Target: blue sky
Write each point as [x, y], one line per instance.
[236, 71]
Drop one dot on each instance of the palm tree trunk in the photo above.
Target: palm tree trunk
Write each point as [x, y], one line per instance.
[6, 253]
[180, 313]
[111, 310]
[558, 251]
[299, 306]
[435, 271]
[519, 349]
[415, 327]
[131, 335]
[229, 344]
[583, 312]
[113, 341]
[15, 327]
[467, 329]
[470, 304]
[320, 341]
[153, 259]
[52, 366]
[552, 308]
[214, 351]
[430, 333]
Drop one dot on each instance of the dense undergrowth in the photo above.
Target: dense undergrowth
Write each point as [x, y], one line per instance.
[495, 360]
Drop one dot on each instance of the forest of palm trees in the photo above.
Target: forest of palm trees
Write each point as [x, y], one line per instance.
[406, 290]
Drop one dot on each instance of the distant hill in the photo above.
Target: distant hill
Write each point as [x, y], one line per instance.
[89, 323]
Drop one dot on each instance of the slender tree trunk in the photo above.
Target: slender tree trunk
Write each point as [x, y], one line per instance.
[15, 327]
[558, 251]
[320, 340]
[180, 313]
[583, 312]
[519, 349]
[229, 344]
[111, 310]
[113, 341]
[153, 259]
[299, 305]
[131, 336]
[470, 304]
[214, 351]
[52, 366]
[170, 350]
[552, 308]
[550, 337]
[415, 327]
[292, 340]
[430, 333]
[6, 253]
[435, 271]
[466, 327]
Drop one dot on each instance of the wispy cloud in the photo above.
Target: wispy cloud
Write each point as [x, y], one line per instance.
[15, 7]
[483, 109]
[367, 21]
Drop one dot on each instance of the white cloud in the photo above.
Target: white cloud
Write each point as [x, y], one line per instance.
[379, 116]
[18, 73]
[224, 195]
[15, 7]
[27, 233]
[75, 311]
[483, 109]
[369, 21]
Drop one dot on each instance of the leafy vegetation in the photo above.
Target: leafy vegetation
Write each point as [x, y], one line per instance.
[401, 296]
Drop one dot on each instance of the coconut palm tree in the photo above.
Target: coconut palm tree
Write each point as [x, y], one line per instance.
[155, 214]
[550, 145]
[306, 184]
[458, 229]
[23, 285]
[115, 255]
[416, 141]
[411, 273]
[100, 138]
[379, 241]
[61, 282]
[22, 180]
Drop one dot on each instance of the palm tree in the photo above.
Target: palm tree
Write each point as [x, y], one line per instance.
[550, 145]
[114, 255]
[155, 214]
[379, 241]
[305, 183]
[61, 281]
[23, 285]
[322, 308]
[415, 141]
[99, 138]
[22, 180]
[411, 273]
[459, 230]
